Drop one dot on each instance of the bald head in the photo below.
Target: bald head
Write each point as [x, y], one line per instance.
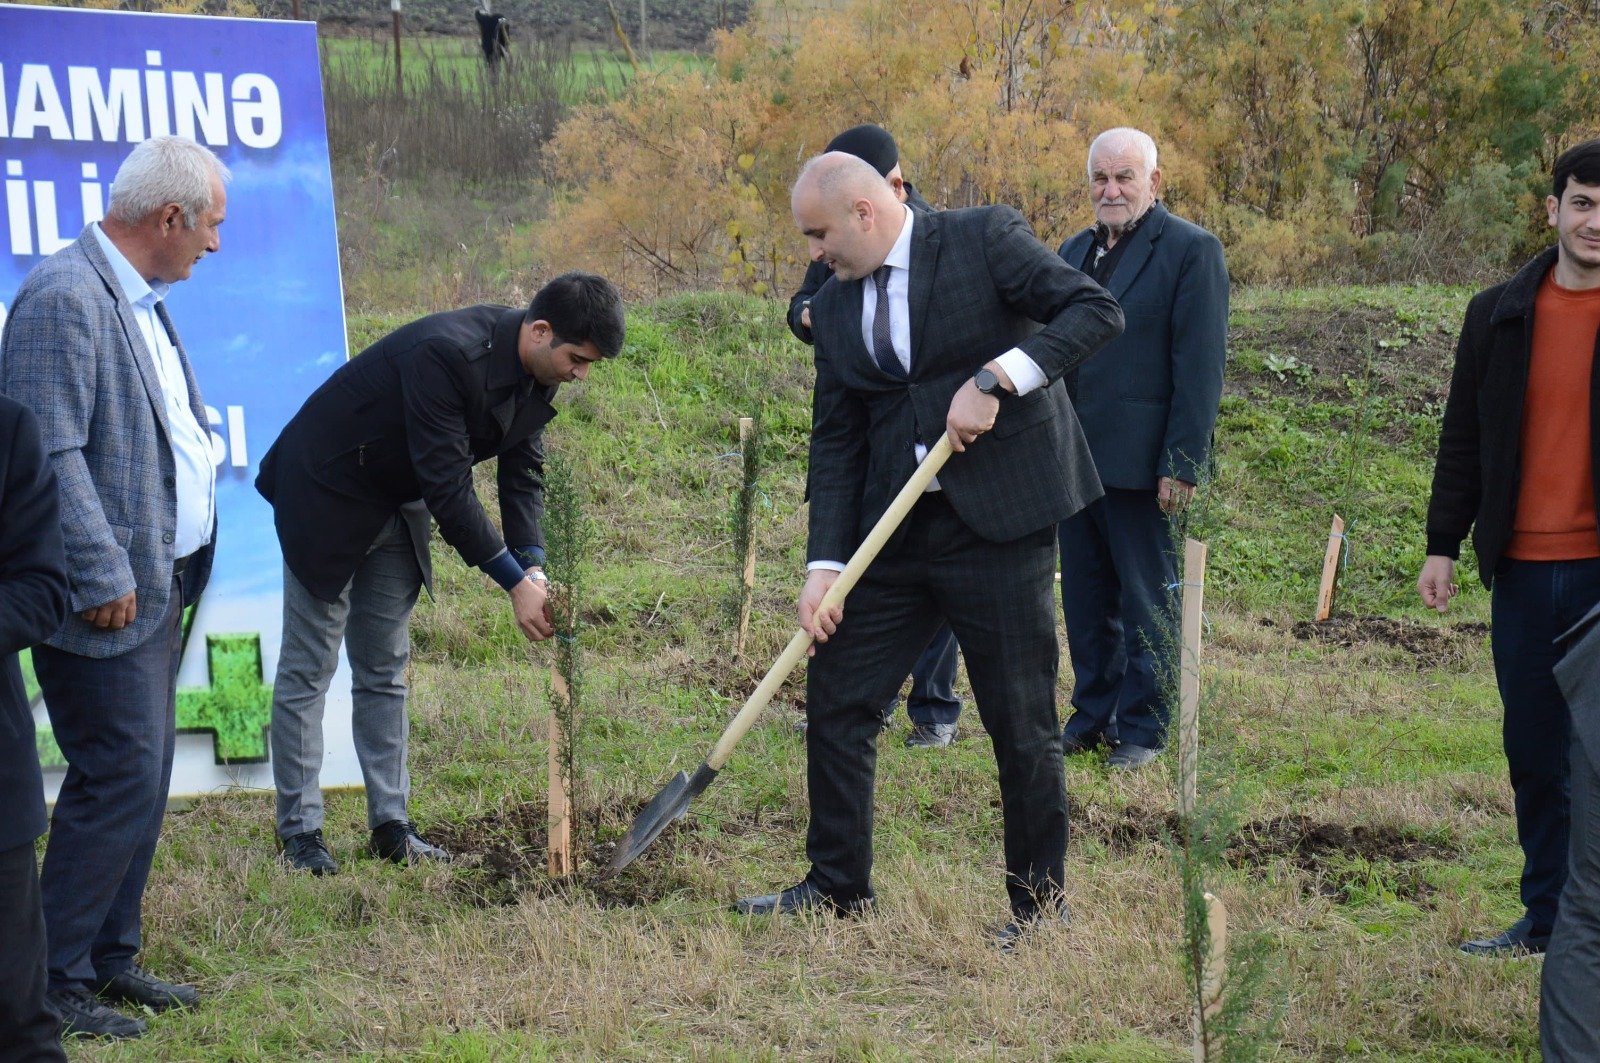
[849, 214]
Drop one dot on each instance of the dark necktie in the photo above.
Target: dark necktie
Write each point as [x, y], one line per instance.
[882, 338]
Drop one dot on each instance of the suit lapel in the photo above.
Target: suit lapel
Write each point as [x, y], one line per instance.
[1076, 249]
[143, 358]
[919, 292]
[1138, 253]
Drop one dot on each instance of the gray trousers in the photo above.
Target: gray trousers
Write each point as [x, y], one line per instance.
[1569, 1002]
[372, 617]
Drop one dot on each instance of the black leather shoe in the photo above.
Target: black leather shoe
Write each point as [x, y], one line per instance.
[398, 840]
[803, 897]
[1015, 932]
[1128, 756]
[139, 987]
[1072, 745]
[1517, 940]
[931, 735]
[308, 852]
[83, 1015]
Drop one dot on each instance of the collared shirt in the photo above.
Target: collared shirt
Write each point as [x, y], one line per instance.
[1101, 260]
[192, 456]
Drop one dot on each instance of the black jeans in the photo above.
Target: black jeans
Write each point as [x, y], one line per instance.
[1533, 603]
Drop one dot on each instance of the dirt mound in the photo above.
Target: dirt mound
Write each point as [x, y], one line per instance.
[1347, 862]
[503, 854]
[500, 855]
[1430, 646]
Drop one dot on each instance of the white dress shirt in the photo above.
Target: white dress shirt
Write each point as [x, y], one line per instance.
[192, 458]
[1024, 372]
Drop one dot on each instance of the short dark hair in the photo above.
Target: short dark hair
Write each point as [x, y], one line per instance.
[1580, 162]
[581, 308]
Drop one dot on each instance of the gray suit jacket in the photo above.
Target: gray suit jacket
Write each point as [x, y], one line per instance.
[980, 284]
[1149, 403]
[73, 353]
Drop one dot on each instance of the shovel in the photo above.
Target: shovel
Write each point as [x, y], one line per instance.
[673, 800]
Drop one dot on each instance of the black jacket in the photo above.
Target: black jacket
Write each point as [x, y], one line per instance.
[1479, 468]
[33, 604]
[817, 275]
[1149, 402]
[404, 420]
[980, 284]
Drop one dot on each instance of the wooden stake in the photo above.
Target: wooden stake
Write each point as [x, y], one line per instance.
[399, 81]
[1330, 569]
[560, 819]
[1213, 979]
[1194, 585]
[747, 427]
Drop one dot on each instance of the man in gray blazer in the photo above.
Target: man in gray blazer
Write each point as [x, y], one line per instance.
[1148, 407]
[931, 324]
[89, 347]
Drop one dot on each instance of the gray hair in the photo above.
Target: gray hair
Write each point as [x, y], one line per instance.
[1125, 136]
[165, 170]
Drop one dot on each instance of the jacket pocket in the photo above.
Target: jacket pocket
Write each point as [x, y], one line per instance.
[1023, 413]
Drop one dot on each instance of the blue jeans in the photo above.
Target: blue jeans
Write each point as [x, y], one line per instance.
[1534, 602]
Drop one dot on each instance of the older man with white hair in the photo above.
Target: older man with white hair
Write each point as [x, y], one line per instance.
[1148, 406]
[90, 348]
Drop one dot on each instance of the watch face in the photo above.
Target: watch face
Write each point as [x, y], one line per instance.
[986, 381]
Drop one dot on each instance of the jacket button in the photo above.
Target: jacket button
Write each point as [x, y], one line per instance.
[167, 538]
[170, 481]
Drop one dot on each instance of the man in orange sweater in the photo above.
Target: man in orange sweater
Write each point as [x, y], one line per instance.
[1519, 453]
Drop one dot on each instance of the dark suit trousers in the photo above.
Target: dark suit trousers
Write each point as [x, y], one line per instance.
[997, 598]
[29, 1033]
[1531, 605]
[933, 683]
[1569, 1005]
[114, 720]
[1117, 563]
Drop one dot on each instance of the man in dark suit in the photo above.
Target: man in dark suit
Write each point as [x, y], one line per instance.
[388, 441]
[1148, 408]
[931, 324]
[90, 349]
[33, 603]
[932, 704]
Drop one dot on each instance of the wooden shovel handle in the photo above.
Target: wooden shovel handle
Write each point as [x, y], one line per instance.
[865, 554]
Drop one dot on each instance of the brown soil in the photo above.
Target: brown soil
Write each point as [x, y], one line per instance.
[1430, 646]
[503, 854]
[1337, 859]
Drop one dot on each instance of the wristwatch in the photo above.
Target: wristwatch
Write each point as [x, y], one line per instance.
[987, 382]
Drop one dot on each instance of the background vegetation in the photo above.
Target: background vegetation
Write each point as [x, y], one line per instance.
[1371, 139]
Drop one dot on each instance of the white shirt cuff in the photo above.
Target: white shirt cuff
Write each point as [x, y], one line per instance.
[1023, 371]
[824, 566]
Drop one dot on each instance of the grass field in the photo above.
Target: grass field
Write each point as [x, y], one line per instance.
[1364, 758]
[586, 71]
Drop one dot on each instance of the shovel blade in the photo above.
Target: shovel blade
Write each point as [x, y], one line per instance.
[670, 804]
